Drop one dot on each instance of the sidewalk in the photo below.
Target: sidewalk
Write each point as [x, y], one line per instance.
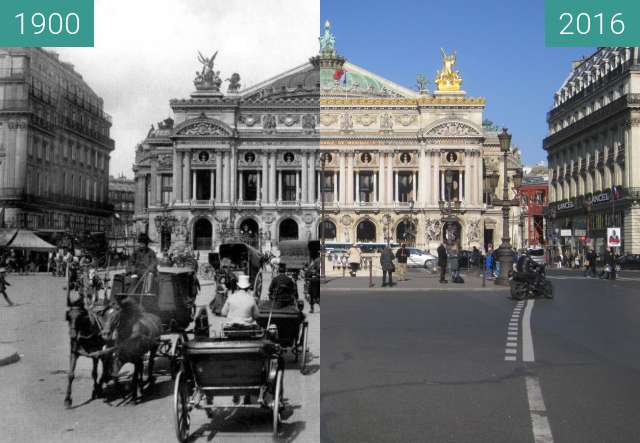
[417, 280]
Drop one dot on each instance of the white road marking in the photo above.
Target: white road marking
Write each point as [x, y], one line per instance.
[527, 340]
[512, 345]
[512, 338]
[537, 409]
[510, 351]
[509, 358]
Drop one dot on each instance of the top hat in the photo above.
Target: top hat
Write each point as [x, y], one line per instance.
[282, 267]
[144, 238]
[243, 282]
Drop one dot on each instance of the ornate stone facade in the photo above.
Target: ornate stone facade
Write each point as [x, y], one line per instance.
[241, 164]
[396, 158]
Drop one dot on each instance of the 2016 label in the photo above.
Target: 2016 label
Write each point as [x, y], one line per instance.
[582, 24]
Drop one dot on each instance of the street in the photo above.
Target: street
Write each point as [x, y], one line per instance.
[33, 389]
[461, 365]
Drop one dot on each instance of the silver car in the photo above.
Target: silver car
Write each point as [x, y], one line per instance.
[417, 257]
[537, 255]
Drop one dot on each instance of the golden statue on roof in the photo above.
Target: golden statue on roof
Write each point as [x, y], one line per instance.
[446, 78]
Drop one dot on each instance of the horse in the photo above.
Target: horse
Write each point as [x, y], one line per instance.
[133, 332]
[85, 340]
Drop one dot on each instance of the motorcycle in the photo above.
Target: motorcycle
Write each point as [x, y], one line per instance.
[523, 287]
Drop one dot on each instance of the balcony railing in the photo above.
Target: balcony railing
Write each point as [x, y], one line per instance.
[15, 105]
[61, 199]
[13, 72]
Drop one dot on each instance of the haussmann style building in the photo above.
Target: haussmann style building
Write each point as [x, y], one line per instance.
[405, 165]
[593, 150]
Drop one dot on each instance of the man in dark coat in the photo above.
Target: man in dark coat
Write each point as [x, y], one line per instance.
[442, 261]
[283, 289]
[313, 278]
[386, 262]
[402, 254]
[142, 265]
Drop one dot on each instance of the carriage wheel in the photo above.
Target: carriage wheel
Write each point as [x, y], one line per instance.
[257, 286]
[181, 407]
[548, 289]
[518, 291]
[277, 398]
[175, 356]
[304, 340]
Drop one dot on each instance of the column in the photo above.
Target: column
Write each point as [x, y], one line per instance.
[427, 198]
[186, 176]
[335, 187]
[413, 182]
[479, 177]
[381, 197]
[194, 177]
[219, 177]
[226, 179]
[139, 198]
[259, 190]
[297, 186]
[375, 186]
[395, 191]
[176, 179]
[304, 170]
[240, 186]
[462, 183]
[468, 180]
[443, 194]
[211, 185]
[154, 188]
[435, 158]
[312, 178]
[232, 175]
[343, 184]
[349, 178]
[265, 178]
[389, 178]
[357, 186]
[272, 178]
[19, 167]
[279, 186]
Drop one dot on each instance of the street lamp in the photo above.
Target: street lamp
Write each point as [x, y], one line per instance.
[504, 253]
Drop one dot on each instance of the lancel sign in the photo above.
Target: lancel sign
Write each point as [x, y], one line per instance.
[566, 205]
[600, 198]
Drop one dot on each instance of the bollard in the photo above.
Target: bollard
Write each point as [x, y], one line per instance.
[371, 272]
[344, 270]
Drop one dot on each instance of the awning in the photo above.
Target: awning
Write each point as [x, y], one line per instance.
[28, 240]
[6, 235]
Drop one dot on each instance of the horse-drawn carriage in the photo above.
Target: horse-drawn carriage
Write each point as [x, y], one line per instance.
[241, 363]
[232, 259]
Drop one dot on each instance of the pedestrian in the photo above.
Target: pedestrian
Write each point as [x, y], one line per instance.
[3, 286]
[577, 261]
[442, 261]
[454, 265]
[488, 265]
[386, 263]
[475, 257]
[402, 254]
[355, 257]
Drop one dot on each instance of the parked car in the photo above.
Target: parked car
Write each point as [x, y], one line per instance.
[629, 261]
[537, 255]
[419, 258]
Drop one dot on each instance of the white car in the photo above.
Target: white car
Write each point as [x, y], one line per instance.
[417, 257]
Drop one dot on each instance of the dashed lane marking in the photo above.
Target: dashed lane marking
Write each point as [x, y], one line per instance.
[527, 340]
[511, 345]
[538, 411]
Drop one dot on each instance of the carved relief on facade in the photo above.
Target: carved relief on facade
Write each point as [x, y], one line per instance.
[452, 129]
[366, 119]
[309, 122]
[386, 122]
[165, 161]
[346, 220]
[406, 119]
[473, 230]
[269, 122]
[433, 229]
[328, 119]
[249, 120]
[288, 120]
[203, 128]
[346, 122]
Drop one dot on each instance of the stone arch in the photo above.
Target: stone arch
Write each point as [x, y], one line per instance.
[331, 229]
[288, 229]
[203, 126]
[202, 229]
[460, 127]
[249, 229]
[405, 230]
[366, 230]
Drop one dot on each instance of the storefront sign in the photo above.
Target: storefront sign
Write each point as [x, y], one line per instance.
[565, 233]
[566, 205]
[600, 198]
[614, 238]
[580, 232]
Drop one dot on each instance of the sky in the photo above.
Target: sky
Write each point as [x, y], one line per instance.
[500, 48]
[145, 54]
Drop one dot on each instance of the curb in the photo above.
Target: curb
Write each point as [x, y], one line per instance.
[9, 356]
[391, 290]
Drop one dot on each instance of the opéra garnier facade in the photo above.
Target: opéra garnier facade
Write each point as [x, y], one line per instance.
[593, 149]
[406, 165]
[238, 163]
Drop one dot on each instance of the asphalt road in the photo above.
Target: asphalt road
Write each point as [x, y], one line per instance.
[458, 366]
[32, 390]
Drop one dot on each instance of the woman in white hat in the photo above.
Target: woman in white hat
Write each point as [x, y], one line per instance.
[241, 308]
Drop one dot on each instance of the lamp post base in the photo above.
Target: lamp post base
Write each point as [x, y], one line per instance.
[505, 257]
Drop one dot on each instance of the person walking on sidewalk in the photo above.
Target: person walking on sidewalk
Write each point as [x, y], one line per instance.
[386, 263]
[442, 261]
[3, 286]
[354, 259]
[402, 254]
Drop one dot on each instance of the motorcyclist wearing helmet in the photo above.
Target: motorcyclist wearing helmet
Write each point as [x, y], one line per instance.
[527, 269]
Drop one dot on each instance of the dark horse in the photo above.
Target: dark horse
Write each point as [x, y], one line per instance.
[133, 333]
[86, 340]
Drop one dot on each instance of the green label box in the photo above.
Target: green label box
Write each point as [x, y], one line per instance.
[600, 23]
[42, 23]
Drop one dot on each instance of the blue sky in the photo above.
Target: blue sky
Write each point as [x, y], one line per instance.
[500, 47]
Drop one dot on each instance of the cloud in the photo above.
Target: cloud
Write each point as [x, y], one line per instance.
[145, 54]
